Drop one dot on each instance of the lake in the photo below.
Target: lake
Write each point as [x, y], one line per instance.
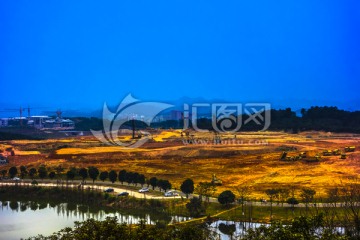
[27, 219]
[23, 219]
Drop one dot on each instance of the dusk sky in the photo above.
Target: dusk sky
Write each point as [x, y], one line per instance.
[80, 54]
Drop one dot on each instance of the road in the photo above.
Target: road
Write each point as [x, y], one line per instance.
[100, 186]
[118, 188]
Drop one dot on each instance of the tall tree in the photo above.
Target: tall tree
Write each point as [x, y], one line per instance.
[129, 177]
[136, 178]
[103, 176]
[153, 182]
[23, 171]
[83, 172]
[70, 175]
[284, 194]
[164, 184]
[13, 171]
[52, 175]
[93, 173]
[141, 179]
[244, 192]
[187, 187]
[122, 176]
[32, 172]
[272, 193]
[307, 196]
[195, 207]
[42, 172]
[112, 176]
[206, 189]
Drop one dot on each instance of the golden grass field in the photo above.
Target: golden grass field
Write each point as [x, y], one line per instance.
[251, 158]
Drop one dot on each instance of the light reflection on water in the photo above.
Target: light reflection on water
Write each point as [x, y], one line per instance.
[27, 219]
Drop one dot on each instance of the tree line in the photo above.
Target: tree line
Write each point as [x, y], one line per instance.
[315, 118]
[91, 172]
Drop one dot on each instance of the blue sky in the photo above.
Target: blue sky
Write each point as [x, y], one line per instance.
[80, 54]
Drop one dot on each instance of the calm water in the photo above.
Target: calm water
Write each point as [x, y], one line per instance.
[26, 219]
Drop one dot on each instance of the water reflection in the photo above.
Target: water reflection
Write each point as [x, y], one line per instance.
[21, 219]
[233, 230]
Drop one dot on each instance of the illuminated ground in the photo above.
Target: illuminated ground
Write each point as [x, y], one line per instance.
[250, 158]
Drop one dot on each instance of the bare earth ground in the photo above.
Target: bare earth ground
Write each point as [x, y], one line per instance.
[252, 158]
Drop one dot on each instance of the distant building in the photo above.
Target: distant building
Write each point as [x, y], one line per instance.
[38, 121]
[4, 122]
[46, 122]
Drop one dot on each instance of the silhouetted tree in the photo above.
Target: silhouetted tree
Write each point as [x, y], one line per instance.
[13, 171]
[93, 173]
[187, 187]
[52, 175]
[135, 178]
[129, 177]
[226, 197]
[23, 171]
[70, 175]
[42, 172]
[153, 182]
[103, 176]
[32, 172]
[141, 179]
[195, 207]
[227, 229]
[292, 201]
[83, 172]
[112, 176]
[122, 176]
[164, 184]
